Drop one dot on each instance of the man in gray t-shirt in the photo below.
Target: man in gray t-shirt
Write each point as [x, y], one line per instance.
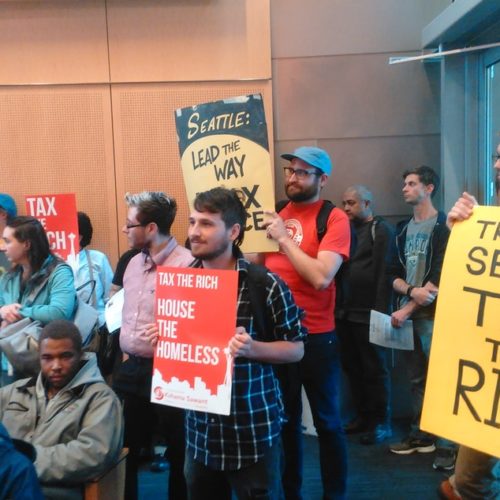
[418, 236]
[421, 243]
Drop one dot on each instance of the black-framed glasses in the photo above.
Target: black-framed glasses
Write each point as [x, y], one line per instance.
[300, 173]
[131, 226]
[495, 157]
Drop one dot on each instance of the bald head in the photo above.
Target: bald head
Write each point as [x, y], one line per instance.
[357, 203]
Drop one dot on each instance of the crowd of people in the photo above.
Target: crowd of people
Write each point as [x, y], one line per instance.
[333, 267]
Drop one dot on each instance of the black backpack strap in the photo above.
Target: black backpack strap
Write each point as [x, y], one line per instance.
[257, 278]
[322, 218]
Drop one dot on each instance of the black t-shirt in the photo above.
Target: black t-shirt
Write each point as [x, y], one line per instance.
[361, 275]
[122, 266]
[365, 282]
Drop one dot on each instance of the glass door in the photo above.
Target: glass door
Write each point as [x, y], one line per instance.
[492, 136]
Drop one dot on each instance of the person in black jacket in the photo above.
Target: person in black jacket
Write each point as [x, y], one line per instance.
[421, 243]
[365, 285]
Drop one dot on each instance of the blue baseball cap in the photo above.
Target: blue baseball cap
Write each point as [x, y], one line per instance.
[315, 157]
[8, 204]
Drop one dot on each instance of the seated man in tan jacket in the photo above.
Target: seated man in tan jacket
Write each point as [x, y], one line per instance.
[70, 416]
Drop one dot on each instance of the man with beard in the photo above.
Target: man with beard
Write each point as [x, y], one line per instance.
[149, 219]
[241, 451]
[308, 266]
[477, 475]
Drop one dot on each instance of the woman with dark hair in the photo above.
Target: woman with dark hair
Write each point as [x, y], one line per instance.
[93, 267]
[39, 285]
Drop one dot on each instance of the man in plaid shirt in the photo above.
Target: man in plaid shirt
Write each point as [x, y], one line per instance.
[241, 451]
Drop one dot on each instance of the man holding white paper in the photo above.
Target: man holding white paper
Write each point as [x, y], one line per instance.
[149, 219]
[421, 244]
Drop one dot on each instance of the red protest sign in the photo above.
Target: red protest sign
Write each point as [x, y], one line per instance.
[196, 317]
[57, 213]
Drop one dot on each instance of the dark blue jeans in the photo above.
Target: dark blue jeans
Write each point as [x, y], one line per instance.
[259, 481]
[318, 372]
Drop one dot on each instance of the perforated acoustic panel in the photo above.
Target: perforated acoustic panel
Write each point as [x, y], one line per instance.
[59, 140]
[146, 152]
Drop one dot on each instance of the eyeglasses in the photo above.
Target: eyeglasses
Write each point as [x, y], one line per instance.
[300, 173]
[496, 157]
[131, 226]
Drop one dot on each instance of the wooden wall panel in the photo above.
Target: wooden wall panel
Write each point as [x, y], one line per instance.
[59, 140]
[53, 41]
[147, 155]
[189, 40]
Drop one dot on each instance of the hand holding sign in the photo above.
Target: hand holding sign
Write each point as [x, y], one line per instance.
[462, 209]
[275, 227]
[241, 344]
[152, 333]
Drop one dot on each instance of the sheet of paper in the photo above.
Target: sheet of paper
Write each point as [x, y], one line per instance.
[113, 311]
[384, 334]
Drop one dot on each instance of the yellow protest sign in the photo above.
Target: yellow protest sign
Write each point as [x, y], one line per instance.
[462, 397]
[225, 143]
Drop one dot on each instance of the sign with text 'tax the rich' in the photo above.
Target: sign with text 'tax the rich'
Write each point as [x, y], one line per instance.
[57, 213]
[224, 143]
[196, 317]
[462, 396]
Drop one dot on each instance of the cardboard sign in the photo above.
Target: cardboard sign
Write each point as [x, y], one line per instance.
[196, 316]
[57, 213]
[224, 143]
[462, 397]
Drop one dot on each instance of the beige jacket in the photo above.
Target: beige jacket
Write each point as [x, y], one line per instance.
[77, 434]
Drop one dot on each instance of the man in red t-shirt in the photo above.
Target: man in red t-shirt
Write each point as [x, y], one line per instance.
[309, 266]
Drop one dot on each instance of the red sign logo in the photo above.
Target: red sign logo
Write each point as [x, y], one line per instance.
[158, 393]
